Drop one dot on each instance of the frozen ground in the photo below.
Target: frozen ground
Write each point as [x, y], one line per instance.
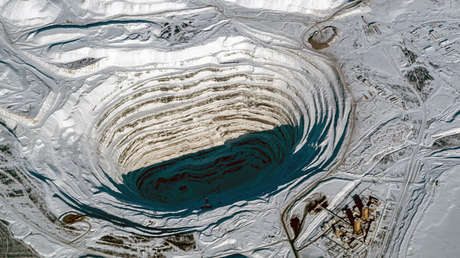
[215, 128]
[440, 220]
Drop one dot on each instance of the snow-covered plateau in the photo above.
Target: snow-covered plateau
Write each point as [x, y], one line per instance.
[229, 128]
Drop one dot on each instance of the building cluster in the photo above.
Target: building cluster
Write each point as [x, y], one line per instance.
[349, 229]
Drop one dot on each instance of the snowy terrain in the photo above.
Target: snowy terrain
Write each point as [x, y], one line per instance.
[155, 128]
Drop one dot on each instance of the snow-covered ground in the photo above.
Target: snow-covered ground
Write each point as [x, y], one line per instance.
[207, 128]
[436, 231]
